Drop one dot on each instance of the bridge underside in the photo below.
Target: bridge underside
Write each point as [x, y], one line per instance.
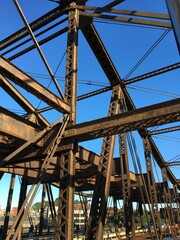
[51, 153]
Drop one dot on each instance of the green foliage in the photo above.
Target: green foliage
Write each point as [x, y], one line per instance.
[37, 206]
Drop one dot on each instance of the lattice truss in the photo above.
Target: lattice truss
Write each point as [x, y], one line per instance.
[96, 135]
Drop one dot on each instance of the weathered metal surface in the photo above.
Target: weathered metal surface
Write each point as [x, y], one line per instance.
[65, 217]
[130, 20]
[14, 125]
[96, 222]
[174, 11]
[35, 25]
[21, 100]
[8, 206]
[100, 52]
[10, 71]
[141, 118]
[75, 167]
[152, 190]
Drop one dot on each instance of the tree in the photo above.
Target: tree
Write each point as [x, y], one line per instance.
[36, 206]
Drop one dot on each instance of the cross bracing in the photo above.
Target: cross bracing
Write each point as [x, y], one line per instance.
[44, 150]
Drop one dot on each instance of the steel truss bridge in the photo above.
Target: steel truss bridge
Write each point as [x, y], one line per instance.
[51, 154]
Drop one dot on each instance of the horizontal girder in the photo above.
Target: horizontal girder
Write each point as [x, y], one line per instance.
[128, 20]
[153, 115]
[16, 126]
[141, 118]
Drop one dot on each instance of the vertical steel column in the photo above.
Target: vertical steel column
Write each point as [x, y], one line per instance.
[115, 213]
[126, 185]
[65, 215]
[84, 203]
[35, 186]
[152, 190]
[22, 197]
[116, 220]
[141, 215]
[42, 210]
[71, 62]
[8, 207]
[125, 179]
[177, 202]
[97, 216]
[51, 200]
[1, 174]
[168, 201]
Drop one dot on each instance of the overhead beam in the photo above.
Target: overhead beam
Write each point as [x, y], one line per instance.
[21, 100]
[113, 3]
[50, 175]
[86, 159]
[35, 25]
[114, 78]
[128, 20]
[16, 75]
[138, 119]
[141, 118]
[153, 73]
[41, 42]
[131, 13]
[172, 164]
[15, 126]
[164, 130]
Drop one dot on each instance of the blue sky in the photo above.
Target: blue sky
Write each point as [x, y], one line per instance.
[126, 46]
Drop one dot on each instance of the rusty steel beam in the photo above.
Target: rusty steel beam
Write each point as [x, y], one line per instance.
[41, 42]
[164, 130]
[113, 3]
[138, 119]
[114, 78]
[64, 219]
[15, 126]
[16, 75]
[142, 118]
[86, 155]
[128, 20]
[111, 73]
[38, 48]
[37, 35]
[131, 13]
[82, 155]
[160, 161]
[99, 50]
[174, 12]
[174, 163]
[8, 206]
[35, 25]
[49, 176]
[35, 186]
[52, 173]
[96, 222]
[152, 189]
[21, 100]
